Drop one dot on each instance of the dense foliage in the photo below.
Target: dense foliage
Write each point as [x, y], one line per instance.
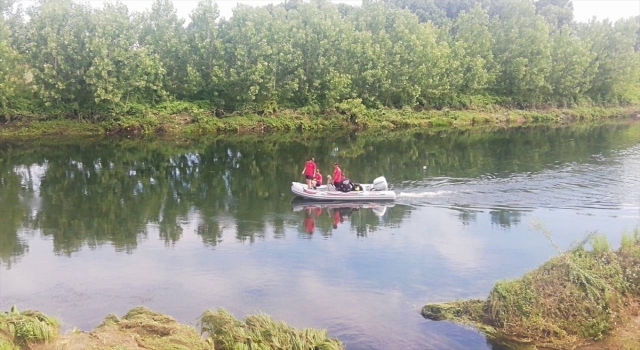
[578, 296]
[60, 57]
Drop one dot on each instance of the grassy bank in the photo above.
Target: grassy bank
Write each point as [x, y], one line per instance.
[182, 118]
[574, 299]
[141, 328]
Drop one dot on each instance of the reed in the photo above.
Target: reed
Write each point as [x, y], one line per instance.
[261, 332]
[578, 296]
[23, 329]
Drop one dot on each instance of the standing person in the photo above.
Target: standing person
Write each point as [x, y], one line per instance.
[309, 171]
[317, 179]
[337, 176]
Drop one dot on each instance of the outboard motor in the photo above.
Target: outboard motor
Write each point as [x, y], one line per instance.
[380, 184]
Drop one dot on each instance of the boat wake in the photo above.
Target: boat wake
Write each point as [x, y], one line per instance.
[611, 183]
[425, 194]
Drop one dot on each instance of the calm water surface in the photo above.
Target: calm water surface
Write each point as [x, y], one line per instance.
[89, 227]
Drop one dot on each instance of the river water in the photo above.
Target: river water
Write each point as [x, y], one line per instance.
[94, 226]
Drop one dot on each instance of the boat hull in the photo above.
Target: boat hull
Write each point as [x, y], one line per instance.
[323, 193]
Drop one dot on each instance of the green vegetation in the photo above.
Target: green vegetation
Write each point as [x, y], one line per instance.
[302, 65]
[261, 332]
[195, 122]
[141, 328]
[22, 329]
[580, 296]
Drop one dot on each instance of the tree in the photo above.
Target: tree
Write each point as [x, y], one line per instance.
[440, 12]
[522, 53]
[163, 34]
[557, 13]
[58, 33]
[473, 51]
[121, 71]
[617, 75]
[248, 77]
[206, 51]
[324, 41]
[9, 61]
[572, 70]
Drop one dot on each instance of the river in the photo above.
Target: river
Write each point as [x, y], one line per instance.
[94, 226]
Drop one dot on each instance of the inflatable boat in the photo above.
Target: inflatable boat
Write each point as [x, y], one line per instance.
[376, 191]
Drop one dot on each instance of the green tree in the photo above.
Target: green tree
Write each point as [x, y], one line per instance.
[473, 46]
[316, 55]
[572, 68]
[58, 33]
[399, 61]
[439, 12]
[248, 76]
[522, 53]
[323, 38]
[121, 72]
[558, 13]
[9, 61]
[164, 34]
[206, 51]
[617, 75]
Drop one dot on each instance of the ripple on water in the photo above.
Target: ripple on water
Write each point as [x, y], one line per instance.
[609, 183]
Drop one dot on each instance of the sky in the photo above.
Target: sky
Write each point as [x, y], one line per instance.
[583, 9]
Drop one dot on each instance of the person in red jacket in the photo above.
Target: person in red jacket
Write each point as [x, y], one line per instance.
[317, 179]
[337, 176]
[309, 171]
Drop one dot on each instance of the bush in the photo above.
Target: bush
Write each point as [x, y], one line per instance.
[22, 329]
[261, 332]
[577, 295]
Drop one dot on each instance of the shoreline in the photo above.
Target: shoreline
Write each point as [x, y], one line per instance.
[580, 299]
[190, 121]
[142, 328]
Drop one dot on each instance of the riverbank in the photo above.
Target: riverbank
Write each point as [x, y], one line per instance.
[141, 328]
[587, 299]
[187, 119]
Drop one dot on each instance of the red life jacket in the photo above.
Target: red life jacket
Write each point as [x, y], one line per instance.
[337, 174]
[309, 168]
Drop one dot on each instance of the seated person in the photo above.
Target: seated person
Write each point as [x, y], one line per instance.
[317, 179]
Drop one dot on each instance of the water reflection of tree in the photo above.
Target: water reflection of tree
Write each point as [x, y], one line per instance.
[13, 211]
[505, 218]
[108, 191]
[466, 216]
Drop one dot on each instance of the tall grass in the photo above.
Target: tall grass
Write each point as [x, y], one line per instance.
[21, 329]
[261, 332]
[578, 295]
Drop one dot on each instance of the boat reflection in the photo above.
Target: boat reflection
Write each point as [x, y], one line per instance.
[333, 214]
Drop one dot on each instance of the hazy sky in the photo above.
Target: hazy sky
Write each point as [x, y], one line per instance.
[583, 9]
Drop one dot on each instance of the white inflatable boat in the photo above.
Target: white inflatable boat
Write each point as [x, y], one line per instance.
[377, 191]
